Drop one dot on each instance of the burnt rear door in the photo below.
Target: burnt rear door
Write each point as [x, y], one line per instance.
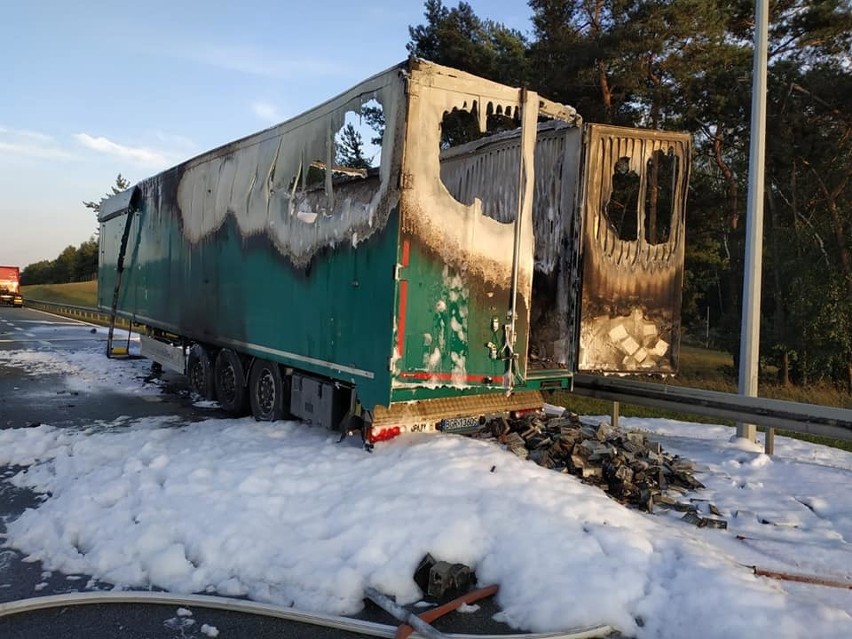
[633, 204]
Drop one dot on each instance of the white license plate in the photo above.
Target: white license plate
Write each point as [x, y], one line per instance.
[460, 424]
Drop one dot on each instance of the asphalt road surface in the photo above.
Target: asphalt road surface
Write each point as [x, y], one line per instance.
[26, 329]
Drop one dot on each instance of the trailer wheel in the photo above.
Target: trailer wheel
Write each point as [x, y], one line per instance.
[199, 370]
[230, 381]
[266, 391]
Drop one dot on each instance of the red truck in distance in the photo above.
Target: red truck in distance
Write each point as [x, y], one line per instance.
[10, 291]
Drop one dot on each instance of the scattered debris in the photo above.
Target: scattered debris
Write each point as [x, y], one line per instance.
[632, 469]
[441, 580]
[704, 522]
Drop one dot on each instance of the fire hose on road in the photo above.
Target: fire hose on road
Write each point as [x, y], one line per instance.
[344, 624]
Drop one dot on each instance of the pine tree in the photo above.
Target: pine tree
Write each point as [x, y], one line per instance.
[121, 184]
[350, 148]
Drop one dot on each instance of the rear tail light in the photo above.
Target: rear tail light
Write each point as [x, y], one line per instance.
[383, 434]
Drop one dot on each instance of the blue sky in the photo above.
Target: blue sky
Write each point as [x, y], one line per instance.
[93, 88]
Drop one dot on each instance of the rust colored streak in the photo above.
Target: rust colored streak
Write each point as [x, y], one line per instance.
[403, 305]
[448, 377]
[406, 248]
[405, 631]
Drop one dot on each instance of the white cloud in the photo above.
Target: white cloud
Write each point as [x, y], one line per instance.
[256, 61]
[139, 155]
[174, 140]
[267, 111]
[26, 133]
[17, 143]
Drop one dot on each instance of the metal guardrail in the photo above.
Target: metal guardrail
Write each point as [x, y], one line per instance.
[810, 419]
[85, 313]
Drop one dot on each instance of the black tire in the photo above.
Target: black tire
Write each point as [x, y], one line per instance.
[199, 371]
[230, 382]
[266, 391]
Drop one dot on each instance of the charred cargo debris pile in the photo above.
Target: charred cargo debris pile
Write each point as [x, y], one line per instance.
[625, 464]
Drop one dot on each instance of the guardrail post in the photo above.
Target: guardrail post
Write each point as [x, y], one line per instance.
[769, 444]
[615, 414]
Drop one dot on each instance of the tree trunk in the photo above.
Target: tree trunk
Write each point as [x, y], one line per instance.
[596, 23]
[840, 234]
[730, 179]
[734, 254]
[779, 316]
[849, 377]
[653, 197]
[606, 91]
[784, 369]
[654, 178]
[838, 224]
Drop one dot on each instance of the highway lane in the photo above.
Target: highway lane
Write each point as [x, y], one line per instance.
[34, 392]
[23, 327]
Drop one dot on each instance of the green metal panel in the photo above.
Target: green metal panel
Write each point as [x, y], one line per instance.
[333, 318]
[447, 327]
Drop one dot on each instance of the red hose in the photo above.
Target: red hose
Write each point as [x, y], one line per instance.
[804, 579]
[788, 576]
[404, 631]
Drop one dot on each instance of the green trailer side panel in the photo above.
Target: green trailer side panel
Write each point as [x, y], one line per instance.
[449, 326]
[333, 318]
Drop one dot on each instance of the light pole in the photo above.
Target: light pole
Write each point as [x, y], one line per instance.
[753, 269]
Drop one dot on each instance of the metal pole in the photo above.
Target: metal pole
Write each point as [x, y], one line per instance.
[403, 615]
[616, 411]
[753, 269]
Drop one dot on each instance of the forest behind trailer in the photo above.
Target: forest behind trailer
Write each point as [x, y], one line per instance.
[481, 245]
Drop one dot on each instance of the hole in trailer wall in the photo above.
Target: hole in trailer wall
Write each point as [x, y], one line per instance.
[622, 208]
[661, 175]
[484, 166]
[490, 175]
[356, 157]
[358, 143]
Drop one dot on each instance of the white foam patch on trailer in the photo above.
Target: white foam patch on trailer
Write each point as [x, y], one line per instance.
[260, 180]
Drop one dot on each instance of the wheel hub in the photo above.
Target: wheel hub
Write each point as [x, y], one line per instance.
[266, 392]
[229, 382]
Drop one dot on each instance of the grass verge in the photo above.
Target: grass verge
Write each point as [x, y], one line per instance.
[75, 293]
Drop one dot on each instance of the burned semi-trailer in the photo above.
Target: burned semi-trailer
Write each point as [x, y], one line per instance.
[427, 248]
